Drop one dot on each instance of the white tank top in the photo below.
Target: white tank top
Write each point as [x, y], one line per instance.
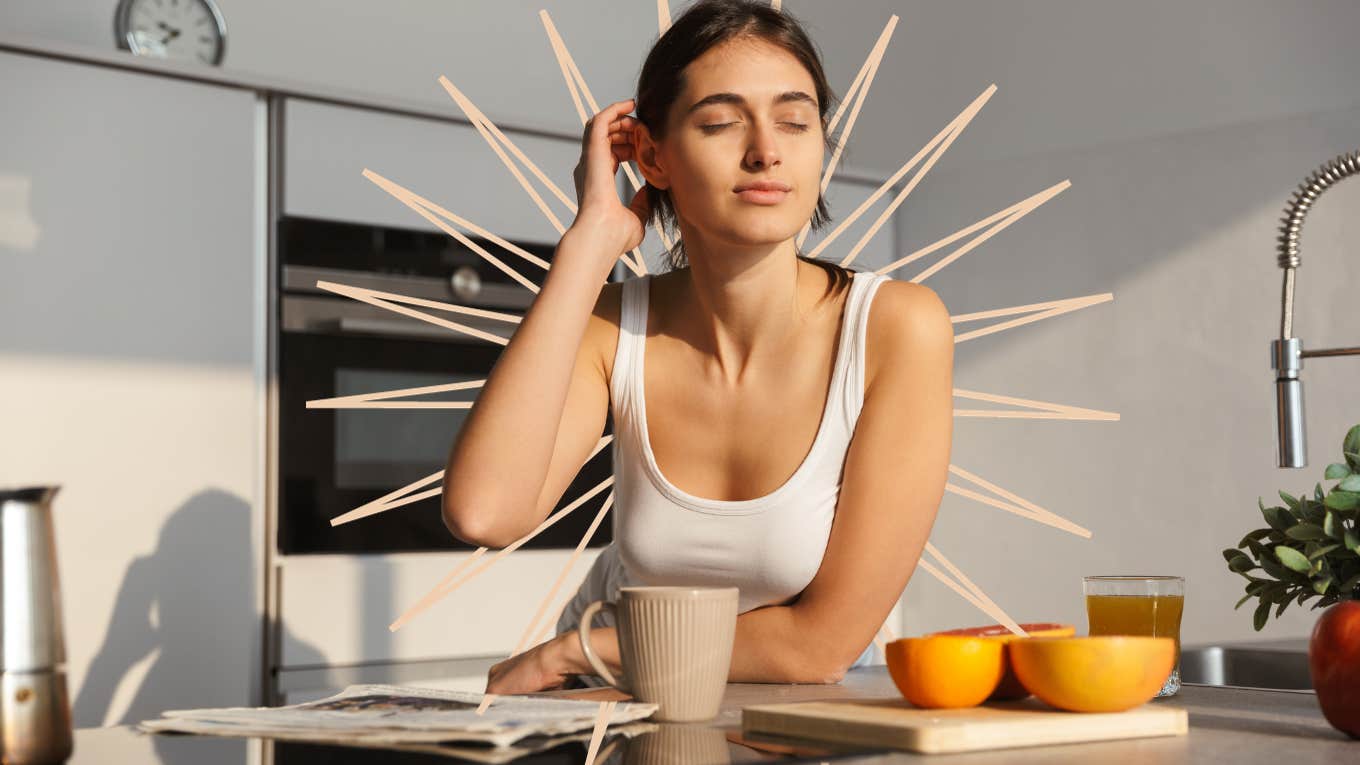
[769, 547]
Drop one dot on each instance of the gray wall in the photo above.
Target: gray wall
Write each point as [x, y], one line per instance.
[1183, 126]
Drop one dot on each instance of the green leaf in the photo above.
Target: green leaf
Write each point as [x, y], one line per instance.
[1283, 605]
[1305, 531]
[1337, 470]
[1352, 541]
[1242, 564]
[1318, 494]
[1318, 553]
[1254, 536]
[1331, 526]
[1342, 500]
[1258, 619]
[1350, 483]
[1278, 518]
[1320, 586]
[1353, 459]
[1289, 500]
[1292, 559]
[1351, 443]
[1244, 599]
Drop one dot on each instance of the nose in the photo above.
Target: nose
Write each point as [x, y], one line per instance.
[762, 153]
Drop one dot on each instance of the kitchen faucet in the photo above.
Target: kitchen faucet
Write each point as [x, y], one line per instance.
[1287, 354]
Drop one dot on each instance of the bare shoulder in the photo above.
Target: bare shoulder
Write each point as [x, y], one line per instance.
[602, 330]
[908, 325]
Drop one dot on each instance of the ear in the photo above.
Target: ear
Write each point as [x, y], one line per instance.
[647, 154]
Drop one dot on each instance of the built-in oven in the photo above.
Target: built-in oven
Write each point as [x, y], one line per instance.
[336, 589]
[333, 460]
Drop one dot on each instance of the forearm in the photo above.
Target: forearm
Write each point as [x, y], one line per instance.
[507, 440]
[767, 648]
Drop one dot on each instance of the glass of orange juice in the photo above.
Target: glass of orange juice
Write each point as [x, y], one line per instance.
[1138, 605]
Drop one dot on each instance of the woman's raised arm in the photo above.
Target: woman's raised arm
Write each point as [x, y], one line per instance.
[543, 407]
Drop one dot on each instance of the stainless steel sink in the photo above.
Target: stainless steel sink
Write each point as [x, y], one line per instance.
[1273, 665]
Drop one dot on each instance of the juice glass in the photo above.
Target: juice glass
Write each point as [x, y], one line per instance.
[1138, 605]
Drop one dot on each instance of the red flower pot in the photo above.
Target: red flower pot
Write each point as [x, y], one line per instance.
[1334, 663]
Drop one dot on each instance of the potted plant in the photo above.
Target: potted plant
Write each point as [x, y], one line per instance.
[1310, 550]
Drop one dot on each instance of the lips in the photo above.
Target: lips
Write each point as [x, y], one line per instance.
[763, 192]
[762, 186]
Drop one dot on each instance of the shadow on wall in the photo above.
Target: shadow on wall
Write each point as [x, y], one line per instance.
[192, 603]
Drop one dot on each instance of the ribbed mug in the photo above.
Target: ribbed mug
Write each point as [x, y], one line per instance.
[675, 644]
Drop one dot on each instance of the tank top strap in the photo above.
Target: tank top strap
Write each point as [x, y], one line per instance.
[632, 335]
[861, 297]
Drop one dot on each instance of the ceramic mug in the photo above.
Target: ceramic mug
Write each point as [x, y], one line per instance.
[675, 644]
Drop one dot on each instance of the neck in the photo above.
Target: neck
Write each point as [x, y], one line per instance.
[744, 305]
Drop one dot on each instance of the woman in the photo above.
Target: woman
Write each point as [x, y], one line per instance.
[779, 392]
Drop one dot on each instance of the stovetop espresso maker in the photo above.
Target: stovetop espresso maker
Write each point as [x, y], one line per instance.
[35, 712]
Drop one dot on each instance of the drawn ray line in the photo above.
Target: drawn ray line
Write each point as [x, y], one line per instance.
[1025, 509]
[775, 4]
[863, 82]
[992, 608]
[344, 402]
[392, 499]
[663, 16]
[551, 624]
[957, 124]
[935, 157]
[426, 209]
[445, 587]
[597, 733]
[930, 568]
[576, 85]
[557, 584]
[390, 301]
[353, 291]
[488, 129]
[1046, 410]
[401, 497]
[1064, 306]
[429, 210]
[566, 569]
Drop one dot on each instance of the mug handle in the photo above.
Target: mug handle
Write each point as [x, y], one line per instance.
[583, 631]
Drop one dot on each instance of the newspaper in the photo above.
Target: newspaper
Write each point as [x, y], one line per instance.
[385, 715]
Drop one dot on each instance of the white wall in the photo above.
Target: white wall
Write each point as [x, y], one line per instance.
[1183, 127]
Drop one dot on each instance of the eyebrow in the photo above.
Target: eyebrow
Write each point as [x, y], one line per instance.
[732, 98]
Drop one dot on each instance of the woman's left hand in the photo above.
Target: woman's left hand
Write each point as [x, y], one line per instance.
[540, 668]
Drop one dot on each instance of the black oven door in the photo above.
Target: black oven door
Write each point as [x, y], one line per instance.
[332, 461]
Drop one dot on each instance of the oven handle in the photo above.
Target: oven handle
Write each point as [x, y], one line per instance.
[355, 325]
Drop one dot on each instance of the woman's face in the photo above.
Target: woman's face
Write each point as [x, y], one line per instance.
[748, 113]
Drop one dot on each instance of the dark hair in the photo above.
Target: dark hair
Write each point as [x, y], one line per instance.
[702, 26]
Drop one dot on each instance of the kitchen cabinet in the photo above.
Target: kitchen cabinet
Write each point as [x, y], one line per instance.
[450, 164]
[131, 360]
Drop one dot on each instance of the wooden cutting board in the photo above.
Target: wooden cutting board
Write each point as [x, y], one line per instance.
[896, 724]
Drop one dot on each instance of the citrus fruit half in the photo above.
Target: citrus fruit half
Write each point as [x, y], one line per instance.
[1106, 673]
[945, 671]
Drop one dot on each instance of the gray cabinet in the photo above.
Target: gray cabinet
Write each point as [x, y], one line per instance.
[131, 360]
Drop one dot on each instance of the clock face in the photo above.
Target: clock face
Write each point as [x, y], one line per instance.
[179, 29]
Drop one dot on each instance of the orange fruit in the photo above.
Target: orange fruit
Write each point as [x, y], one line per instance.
[945, 671]
[1107, 673]
[1010, 688]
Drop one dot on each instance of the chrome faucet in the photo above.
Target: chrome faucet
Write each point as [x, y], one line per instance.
[1287, 354]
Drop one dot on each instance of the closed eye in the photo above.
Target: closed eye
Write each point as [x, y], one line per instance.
[710, 129]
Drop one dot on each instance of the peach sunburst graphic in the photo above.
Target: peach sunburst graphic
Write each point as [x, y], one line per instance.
[972, 486]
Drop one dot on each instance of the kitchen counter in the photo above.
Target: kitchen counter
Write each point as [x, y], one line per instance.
[1227, 725]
